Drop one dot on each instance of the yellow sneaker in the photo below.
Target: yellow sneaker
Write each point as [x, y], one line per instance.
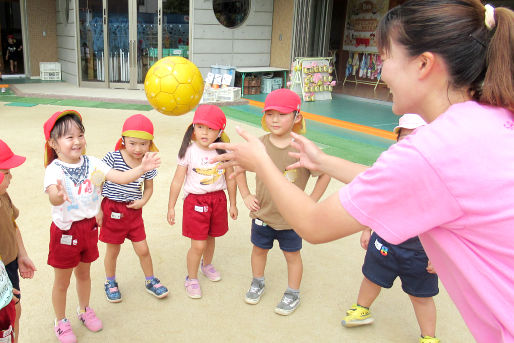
[428, 339]
[356, 316]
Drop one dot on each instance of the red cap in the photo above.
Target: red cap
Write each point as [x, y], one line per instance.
[283, 100]
[47, 129]
[137, 126]
[8, 159]
[10, 36]
[210, 115]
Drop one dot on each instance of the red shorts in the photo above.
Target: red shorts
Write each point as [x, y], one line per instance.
[120, 222]
[205, 215]
[7, 318]
[78, 244]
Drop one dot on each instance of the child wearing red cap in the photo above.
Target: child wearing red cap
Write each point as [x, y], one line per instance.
[205, 203]
[281, 117]
[12, 249]
[73, 183]
[122, 206]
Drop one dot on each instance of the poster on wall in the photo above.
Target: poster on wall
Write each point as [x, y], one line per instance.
[362, 17]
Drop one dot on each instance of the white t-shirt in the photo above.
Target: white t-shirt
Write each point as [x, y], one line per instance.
[5, 287]
[201, 177]
[84, 195]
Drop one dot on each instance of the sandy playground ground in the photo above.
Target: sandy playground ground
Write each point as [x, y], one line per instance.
[332, 272]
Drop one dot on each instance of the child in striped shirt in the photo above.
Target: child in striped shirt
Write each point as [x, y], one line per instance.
[121, 214]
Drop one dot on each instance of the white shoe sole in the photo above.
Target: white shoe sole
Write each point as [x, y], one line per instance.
[164, 295]
[283, 312]
[357, 323]
[253, 301]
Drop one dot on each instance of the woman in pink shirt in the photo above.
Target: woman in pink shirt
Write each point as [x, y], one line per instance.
[452, 181]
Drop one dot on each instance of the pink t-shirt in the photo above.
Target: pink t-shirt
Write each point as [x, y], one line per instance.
[201, 176]
[452, 183]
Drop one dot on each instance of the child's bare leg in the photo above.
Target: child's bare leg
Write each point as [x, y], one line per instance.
[83, 277]
[145, 259]
[259, 257]
[193, 257]
[17, 320]
[294, 268]
[59, 291]
[208, 253]
[425, 314]
[111, 256]
[368, 292]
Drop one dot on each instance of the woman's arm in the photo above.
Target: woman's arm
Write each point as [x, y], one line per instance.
[311, 157]
[315, 222]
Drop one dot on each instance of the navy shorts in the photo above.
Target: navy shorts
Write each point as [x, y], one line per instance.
[263, 236]
[12, 272]
[384, 262]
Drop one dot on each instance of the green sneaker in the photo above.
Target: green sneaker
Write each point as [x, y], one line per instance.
[429, 339]
[356, 316]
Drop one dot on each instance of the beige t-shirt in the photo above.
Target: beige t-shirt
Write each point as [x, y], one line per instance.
[268, 212]
[8, 243]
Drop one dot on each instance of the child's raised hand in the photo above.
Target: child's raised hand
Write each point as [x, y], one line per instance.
[150, 161]
[365, 236]
[233, 212]
[308, 154]
[252, 202]
[171, 216]
[61, 191]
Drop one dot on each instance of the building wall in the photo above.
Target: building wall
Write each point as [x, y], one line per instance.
[246, 45]
[282, 34]
[41, 33]
[67, 41]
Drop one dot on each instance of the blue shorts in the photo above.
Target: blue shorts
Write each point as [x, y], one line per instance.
[12, 272]
[384, 262]
[263, 236]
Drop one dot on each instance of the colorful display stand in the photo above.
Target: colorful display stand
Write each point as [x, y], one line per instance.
[312, 79]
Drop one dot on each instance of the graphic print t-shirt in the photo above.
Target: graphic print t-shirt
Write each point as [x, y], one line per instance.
[77, 179]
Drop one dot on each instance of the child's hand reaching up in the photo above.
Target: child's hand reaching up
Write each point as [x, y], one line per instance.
[365, 236]
[251, 202]
[150, 161]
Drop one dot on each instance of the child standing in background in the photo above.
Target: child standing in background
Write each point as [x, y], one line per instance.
[12, 249]
[73, 183]
[281, 117]
[122, 206]
[205, 203]
[384, 262]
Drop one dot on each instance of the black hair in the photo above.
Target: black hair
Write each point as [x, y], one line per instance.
[64, 124]
[477, 57]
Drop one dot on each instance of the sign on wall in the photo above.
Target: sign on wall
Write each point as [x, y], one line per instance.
[362, 17]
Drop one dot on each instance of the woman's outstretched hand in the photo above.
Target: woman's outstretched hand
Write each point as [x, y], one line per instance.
[243, 156]
[309, 155]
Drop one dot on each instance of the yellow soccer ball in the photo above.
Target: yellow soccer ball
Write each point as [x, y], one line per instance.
[174, 85]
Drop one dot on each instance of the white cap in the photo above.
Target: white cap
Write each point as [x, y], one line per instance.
[409, 121]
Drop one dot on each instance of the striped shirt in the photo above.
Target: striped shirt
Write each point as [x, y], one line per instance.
[124, 193]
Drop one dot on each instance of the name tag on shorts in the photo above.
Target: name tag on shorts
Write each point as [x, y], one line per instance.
[66, 239]
[259, 222]
[201, 209]
[115, 215]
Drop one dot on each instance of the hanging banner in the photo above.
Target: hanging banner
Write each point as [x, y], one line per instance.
[362, 17]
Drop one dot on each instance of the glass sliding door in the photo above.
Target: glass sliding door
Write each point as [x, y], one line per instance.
[91, 42]
[121, 39]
